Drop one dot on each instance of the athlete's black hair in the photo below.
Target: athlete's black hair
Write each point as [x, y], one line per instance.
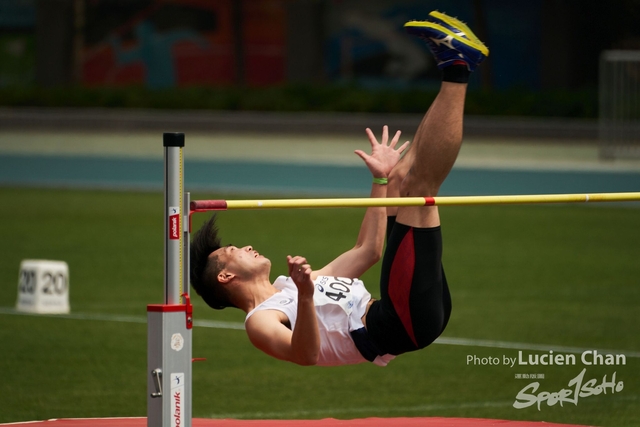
[204, 268]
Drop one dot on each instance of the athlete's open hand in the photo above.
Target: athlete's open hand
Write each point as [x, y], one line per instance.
[300, 272]
[384, 154]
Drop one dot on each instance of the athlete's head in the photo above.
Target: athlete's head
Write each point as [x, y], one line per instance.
[216, 268]
[205, 266]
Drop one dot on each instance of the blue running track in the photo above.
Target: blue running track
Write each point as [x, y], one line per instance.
[270, 178]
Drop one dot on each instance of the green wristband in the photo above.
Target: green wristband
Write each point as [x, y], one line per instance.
[381, 181]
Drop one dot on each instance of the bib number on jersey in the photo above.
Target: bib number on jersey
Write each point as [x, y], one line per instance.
[334, 290]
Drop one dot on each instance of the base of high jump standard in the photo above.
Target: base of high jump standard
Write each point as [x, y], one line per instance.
[169, 325]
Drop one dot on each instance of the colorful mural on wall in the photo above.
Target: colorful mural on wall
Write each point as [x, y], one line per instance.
[179, 43]
[182, 43]
[365, 41]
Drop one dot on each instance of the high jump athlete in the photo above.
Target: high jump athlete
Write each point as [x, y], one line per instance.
[326, 316]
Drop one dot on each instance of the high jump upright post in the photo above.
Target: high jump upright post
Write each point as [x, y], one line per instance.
[169, 340]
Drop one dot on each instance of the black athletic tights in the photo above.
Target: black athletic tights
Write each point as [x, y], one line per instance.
[415, 303]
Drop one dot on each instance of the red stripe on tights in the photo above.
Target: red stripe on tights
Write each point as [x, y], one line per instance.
[400, 280]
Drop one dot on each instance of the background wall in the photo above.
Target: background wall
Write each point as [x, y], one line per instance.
[167, 43]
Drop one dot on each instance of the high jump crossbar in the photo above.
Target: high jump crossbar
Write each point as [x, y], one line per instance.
[222, 205]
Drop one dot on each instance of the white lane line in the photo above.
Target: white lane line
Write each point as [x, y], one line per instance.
[217, 324]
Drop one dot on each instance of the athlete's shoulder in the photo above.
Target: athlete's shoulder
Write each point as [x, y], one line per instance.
[265, 319]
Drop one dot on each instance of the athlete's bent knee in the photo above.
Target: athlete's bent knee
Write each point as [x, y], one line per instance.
[416, 186]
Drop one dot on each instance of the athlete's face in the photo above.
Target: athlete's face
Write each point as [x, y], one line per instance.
[244, 262]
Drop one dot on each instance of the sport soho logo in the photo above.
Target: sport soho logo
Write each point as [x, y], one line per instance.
[577, 388]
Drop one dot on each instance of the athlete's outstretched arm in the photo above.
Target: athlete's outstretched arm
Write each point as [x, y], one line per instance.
[368, 248]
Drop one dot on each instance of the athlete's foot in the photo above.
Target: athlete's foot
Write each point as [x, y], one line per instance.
[450, 40]
[455, 24]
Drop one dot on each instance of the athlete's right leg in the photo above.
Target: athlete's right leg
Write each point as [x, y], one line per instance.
[415, 303]
[429, 159]
[437, 144]
[454, 46]
[437, 141]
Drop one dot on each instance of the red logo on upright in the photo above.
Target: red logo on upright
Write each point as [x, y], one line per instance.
[174, 224]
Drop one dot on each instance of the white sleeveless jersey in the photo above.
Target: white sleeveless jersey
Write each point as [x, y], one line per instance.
[340, 304]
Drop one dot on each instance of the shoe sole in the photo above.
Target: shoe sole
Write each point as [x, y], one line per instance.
[425, 24]
[454, 22]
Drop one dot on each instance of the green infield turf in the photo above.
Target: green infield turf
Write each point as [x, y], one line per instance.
[529, 279]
